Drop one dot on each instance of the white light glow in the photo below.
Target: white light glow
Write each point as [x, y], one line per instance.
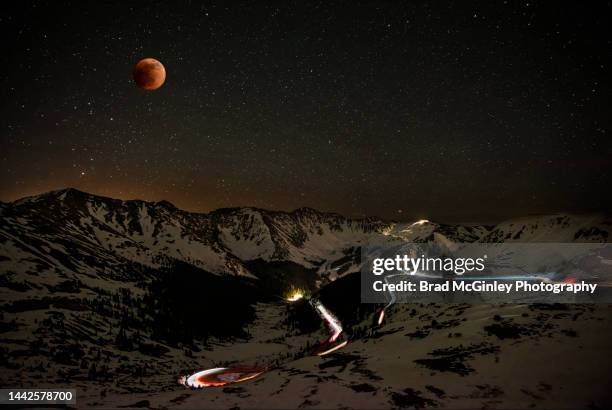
[192, 381]
[420, 222]
[333, 349]
[381, 317]
[334, 324]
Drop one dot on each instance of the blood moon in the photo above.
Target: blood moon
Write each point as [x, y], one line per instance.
[149, 74]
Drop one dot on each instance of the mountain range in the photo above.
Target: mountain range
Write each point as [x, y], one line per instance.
[70, 232]
[119, 298]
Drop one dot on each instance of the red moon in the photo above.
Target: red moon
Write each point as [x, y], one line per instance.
[149, 74]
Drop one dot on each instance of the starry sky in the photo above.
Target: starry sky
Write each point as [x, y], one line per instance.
[454, 111]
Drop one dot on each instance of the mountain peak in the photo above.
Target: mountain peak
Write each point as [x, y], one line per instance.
[166, 204]
[305, 210]
[310, 212]
[72, 192]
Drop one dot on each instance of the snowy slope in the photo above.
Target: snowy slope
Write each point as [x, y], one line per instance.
[73, 265]
[75, 234]
[552, 228]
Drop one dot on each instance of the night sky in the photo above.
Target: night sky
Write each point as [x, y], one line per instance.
[458, 111]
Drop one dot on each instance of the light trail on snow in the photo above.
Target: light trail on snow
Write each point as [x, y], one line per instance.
[333, 349]
[221, 376]
[381, 317]
[333, 324]
[548, 277]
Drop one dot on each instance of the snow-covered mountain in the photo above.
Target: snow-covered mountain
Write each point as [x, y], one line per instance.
[86, 303]
[75, 233]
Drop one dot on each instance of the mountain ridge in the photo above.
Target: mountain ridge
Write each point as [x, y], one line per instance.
[78, 233]
[97, 289]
